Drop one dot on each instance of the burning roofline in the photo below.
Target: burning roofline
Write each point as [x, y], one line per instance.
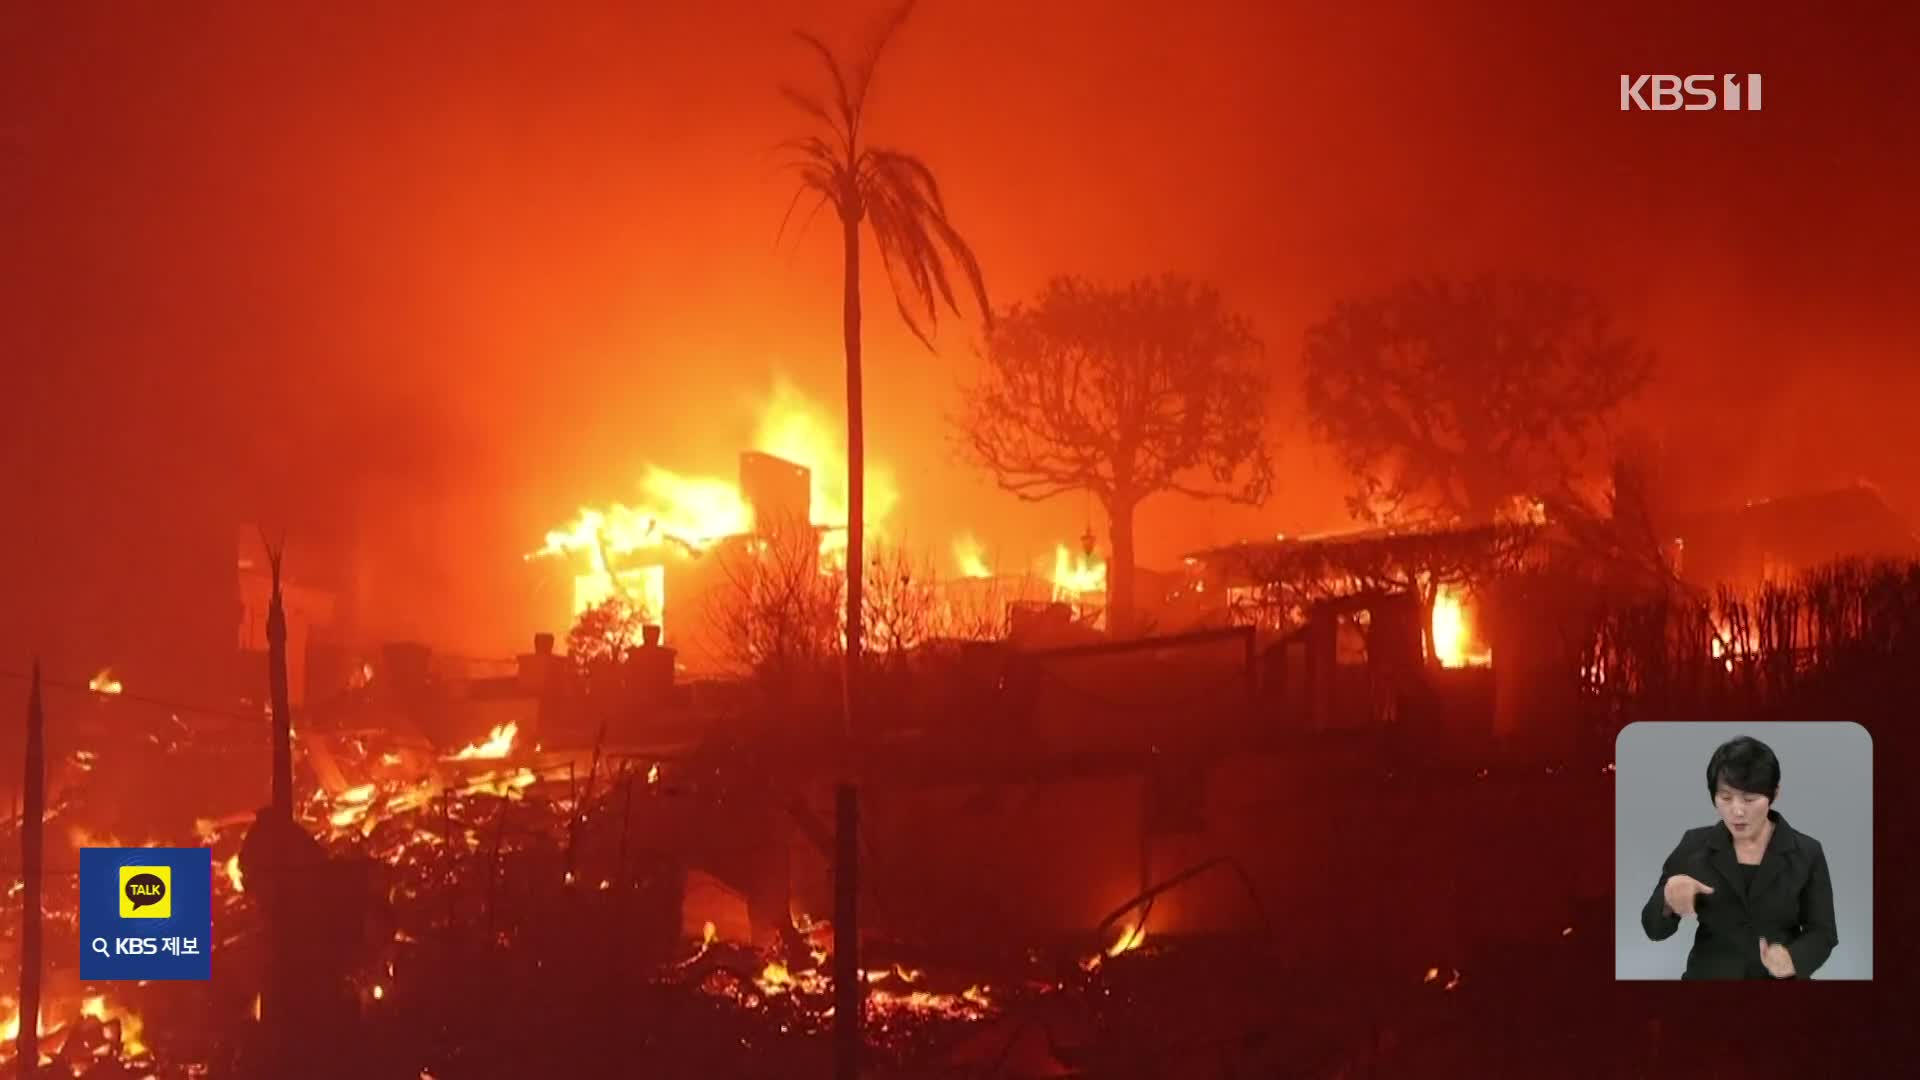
[1356, 538]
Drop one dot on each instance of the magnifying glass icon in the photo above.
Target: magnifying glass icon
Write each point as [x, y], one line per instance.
[100, 946]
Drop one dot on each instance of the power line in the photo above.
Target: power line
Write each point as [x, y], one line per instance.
[172, 706]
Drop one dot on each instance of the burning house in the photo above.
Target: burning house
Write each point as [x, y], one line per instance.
[671, 553]
[1357, 624]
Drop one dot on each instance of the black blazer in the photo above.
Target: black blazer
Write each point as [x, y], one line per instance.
[1791, 903]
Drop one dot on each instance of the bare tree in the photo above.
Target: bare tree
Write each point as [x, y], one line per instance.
[609, 630]
[775, 613]
[902, 602]
[1124, 393]
[896, 195]
[1623, 535]
[1446, 400]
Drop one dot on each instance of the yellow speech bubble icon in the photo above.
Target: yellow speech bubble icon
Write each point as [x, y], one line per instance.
[146, 892]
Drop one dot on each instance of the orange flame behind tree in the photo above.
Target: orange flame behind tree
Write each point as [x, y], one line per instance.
[1076, 575]
[971, 557]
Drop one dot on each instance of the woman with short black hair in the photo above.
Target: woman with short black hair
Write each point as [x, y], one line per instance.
[1759, 887]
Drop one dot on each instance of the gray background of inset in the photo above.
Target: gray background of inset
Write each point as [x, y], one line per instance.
[1660, 791]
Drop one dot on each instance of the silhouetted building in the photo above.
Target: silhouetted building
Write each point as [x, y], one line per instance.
[1770, 539]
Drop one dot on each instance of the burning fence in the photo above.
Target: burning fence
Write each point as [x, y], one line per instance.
[1742, 647]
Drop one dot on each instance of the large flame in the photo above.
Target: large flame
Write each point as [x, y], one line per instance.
[793, 428]
[1076, 574]
[95, 1006]
[627, 547]
[971, 557]
[130, 1024]
[1453, 640]
[498, 744]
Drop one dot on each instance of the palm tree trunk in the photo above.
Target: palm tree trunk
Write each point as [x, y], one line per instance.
[1120, 599]
[847, 979]
[32, 849]
[856, 476]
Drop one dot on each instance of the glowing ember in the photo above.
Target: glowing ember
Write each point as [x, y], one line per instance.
[130, 1025]
[1728, 645]
[10, 1027]
[1132, 938]
[95, 1007]
[104, 683]
[81, 838]
[775, 979]
[499, 744]
[653, 777]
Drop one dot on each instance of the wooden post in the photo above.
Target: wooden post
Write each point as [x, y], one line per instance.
[453, 862]
[1251, 644]
[493, 866]
[621, 882]
[32, 851]
[1323, 666]
[848, 983]
[277, 690]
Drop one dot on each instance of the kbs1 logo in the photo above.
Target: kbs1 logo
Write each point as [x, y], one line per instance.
[1692, 93]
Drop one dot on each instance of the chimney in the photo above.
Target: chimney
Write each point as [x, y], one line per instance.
[536, 667]
[779, 492]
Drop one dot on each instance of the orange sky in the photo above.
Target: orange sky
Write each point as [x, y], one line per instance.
[454, 269]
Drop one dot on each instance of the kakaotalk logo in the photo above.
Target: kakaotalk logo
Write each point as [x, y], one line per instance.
[1693, 93]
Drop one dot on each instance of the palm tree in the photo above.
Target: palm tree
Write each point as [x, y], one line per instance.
[896, 195]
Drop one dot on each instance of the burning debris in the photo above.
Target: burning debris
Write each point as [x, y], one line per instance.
[498, 744]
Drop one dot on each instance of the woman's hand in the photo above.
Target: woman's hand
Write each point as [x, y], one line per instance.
[1680, 892]
[1778, 960]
